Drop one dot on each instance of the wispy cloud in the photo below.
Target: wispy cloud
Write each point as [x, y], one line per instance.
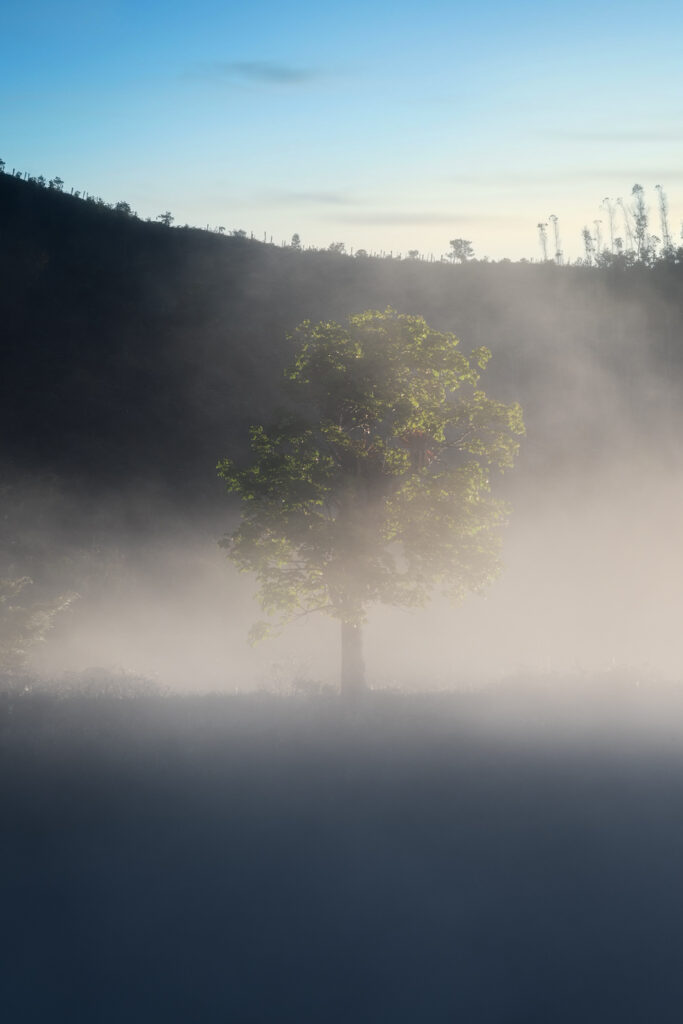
[399, 217]
[259, 72]
[312, 198]
[634, 136]
[519, 179]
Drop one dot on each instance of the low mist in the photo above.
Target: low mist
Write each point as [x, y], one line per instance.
[591, 558]
[590, 585]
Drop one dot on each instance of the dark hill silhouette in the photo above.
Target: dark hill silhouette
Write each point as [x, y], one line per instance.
[134, 352]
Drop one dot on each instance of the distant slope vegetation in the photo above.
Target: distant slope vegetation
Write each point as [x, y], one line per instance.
[136, 352]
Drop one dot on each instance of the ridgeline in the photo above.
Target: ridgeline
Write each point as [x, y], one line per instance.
[138, 354]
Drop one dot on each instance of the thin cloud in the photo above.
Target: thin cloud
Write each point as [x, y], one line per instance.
[260, 72]
[313, 198]
[517, 179]
[390, 217]
[635, 136]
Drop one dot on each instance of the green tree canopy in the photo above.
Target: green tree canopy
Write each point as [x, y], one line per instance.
[374, 486]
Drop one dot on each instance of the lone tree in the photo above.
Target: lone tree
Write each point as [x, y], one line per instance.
[461, 250]
[374, 486]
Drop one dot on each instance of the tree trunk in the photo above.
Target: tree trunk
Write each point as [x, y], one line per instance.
[352, 666]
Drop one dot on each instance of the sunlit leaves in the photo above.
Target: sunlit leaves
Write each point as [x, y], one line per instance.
[376, 488]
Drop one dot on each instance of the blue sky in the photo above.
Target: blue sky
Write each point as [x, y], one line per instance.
[389, 126]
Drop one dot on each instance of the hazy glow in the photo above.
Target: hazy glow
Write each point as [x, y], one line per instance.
[592, 557]
[591, 585]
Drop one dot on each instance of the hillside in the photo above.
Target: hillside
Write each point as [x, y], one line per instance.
[133, 352]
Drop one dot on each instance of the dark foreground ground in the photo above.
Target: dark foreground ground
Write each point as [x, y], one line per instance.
[451, 859]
